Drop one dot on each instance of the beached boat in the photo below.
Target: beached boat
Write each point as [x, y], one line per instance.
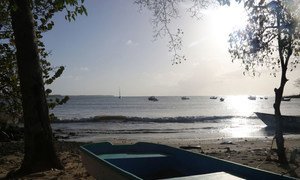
[285, 99]
[289, 122]
[252, 97]
[152, 98]
[185, 98]
[155, 161]
[213, 97]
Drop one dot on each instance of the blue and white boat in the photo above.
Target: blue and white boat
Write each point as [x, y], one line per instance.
[155, 161]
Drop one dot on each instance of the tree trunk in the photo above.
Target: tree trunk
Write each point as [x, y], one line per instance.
[278, 94]
[279, 126]
[39, 149]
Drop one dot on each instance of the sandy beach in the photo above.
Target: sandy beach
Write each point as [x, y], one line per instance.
[255, 152]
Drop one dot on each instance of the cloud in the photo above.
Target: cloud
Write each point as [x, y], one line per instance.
[199, 41]
[84, 69]
[131, 43]
[195, 43]
[71, 77]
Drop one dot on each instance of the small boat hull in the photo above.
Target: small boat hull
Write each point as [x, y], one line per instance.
[152, 98]
[185, 98]
[289, 122]
[252, 97]
[154, 161]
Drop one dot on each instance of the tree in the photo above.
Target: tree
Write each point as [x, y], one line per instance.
[272, 39]
[163, 12]
[10, 95]
[273, 26]
[19, 15]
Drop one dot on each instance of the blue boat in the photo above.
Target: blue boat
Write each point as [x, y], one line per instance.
[154, 161]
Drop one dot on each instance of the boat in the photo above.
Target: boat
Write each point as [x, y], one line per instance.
[222, 99]
[152, 98]
[289, 122]
[120, 97]
[252, 97]
[213, 97]
[285, 99]
[185, 98]
[155, 161]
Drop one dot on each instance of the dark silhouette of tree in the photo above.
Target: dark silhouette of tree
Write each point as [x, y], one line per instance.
[21, 16]
[272, 39]
[10, 95]
[39, 149]
[163, 12]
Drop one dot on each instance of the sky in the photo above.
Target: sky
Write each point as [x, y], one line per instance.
[113, 48]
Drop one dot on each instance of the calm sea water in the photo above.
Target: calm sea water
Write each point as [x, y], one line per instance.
[197, 118]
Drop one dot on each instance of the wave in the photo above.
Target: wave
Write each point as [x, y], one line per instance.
[181, 119]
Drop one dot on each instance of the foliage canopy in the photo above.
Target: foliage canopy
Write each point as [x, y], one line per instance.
[271, 38]
[43, 12]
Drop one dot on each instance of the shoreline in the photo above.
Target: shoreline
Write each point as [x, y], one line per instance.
[248, 151]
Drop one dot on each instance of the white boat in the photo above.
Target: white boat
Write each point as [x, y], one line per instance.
[285, 99]
[289, 122]
[252, 97]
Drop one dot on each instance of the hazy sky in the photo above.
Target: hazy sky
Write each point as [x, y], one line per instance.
[114, 47]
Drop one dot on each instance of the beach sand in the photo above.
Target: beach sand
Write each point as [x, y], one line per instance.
[251, 152]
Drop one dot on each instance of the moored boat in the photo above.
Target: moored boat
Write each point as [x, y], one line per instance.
[213, 97]
[152, 98]
[252, 97]
[289, 122]
[156, 161]
[185, 98]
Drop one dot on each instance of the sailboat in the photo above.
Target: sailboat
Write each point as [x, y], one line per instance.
[120, 97]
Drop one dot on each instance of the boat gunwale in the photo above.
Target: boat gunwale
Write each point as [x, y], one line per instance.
[105, 162]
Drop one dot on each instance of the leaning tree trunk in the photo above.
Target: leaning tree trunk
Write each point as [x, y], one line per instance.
[279, 92]
[39, 149]
[279, 122]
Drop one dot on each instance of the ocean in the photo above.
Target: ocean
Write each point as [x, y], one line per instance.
[102, 118]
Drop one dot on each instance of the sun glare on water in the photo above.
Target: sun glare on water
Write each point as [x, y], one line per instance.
[242, 107]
